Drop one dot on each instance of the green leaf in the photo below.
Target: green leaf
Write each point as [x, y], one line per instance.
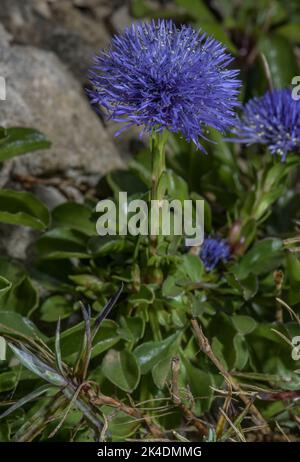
[249, 286]
[18, 141]
[170, 287]
[23, 298]
[290, 31]
[141, 166]
[120, 425]
[5, 432]
[293, 268]
[199, 383]
[161, 371]
[280, 58]
[62, 243]
[243, 324]
[106, 337]
[74, 216]
[5, 285]
[131, 329]
[38, 367]
[262, 258]
[33, 395]
[8, 380]
[21, 295]
[122, 369]
[23, 208]
[18, 323]
[222, 331]
[193, 267]
[150, 353]
[100, 246]
[145, 295]
[173, 186]
[241, 352]
[55, 307]
[123, 180]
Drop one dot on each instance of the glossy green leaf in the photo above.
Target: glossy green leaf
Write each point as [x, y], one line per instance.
[106, 337]
[145, 295]
[38, 367]
[55, 307]
[23, 208]
[193, 267]
[21, 295]
[280, 58]
[131, 329]
[290, 31]
[241, 352]
[18, 141]
[18, 323]
[105, 245]
[8, 381]
[150, 353]
[74, 216]
[33, 395]
[62, 243]
[243, 324]
[161, 372]
[199, 382]
[5, 285]
[120, 425]
[262, 258]
[122, 369]
[293, 268]
[123, 180]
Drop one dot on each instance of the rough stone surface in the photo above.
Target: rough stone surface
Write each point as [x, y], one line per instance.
[15, 240]
[121, 19]
[57, 26]
[41, 93]
[49, 195]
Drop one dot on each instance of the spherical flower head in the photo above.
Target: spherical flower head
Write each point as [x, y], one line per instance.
[272, 120]
[213, 250]
[158, 76]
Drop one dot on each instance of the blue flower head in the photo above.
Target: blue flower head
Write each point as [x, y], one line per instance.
[273, 120]
[158, 76]
[214, 250]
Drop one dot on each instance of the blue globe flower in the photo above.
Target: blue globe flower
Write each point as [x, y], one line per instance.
[273, 120]
[158, 76]
[213, 250]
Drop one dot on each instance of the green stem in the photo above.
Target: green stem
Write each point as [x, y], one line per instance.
[158, 147]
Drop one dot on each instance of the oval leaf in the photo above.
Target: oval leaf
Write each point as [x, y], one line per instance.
[23, 208]
[122, 369]
[18, 141]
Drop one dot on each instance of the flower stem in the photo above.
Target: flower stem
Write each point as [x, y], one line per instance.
[158, 147]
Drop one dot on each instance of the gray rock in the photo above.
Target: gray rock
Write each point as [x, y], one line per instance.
[57, 26]
[15, 240]
[41, 93]
[49, 195]
[121, 19]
